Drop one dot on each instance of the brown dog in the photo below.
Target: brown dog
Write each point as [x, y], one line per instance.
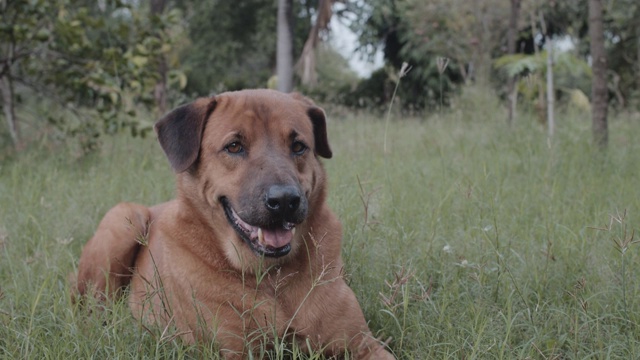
[249, 249]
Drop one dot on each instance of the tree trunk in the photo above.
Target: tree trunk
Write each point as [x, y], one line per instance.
[284, 67]
[551, 123]
[6, 92]
[638, 47]
[599, 92]
[482, 58]
[8, 106]
[638, 58]
[550, 92]
[160, 90]
[512, 38]
[306, 65]
[539, 105]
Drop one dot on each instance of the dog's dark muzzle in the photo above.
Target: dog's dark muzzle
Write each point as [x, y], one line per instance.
[269, 228]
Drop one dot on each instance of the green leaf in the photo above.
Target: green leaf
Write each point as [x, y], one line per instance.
[518, 63]
[113, 96]
[42, 35]
[140, 61]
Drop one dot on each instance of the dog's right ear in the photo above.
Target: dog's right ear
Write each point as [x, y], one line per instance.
[319, 121]
[180, 132]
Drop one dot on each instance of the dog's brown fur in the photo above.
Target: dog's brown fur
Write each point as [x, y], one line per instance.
[189, 268]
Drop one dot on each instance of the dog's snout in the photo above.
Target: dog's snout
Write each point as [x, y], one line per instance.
[283, 200]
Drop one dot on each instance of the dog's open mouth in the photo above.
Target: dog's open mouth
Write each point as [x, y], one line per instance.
[273, 241]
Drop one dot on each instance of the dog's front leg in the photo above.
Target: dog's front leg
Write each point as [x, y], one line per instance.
[341, 324]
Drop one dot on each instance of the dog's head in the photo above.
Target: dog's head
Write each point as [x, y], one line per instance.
[247, 160]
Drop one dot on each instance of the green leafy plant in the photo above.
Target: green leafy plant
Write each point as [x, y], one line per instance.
[96, 63]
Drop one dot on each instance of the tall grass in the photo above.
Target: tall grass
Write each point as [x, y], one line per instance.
[465, 239]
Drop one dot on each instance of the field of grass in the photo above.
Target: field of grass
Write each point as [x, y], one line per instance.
[465, 240]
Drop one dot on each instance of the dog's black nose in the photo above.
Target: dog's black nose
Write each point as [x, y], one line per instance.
[283, 200]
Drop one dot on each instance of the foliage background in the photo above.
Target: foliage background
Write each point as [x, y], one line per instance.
[96, 65]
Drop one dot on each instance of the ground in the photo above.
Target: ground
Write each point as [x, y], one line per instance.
[466, 239]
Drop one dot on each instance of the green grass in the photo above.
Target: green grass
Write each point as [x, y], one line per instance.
[466, 240]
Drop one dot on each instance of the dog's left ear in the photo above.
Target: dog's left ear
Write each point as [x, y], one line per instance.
[320, 132]
[180, 132]
[319, 121]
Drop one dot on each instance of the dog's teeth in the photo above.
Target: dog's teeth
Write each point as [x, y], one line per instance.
[288, 225]
[293, 231]
[260, 236]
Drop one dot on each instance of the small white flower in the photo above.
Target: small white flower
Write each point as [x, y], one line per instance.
[64, 241]
[447, 248]
[464, 263]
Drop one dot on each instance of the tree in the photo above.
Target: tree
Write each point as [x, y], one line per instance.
[571, 76]
[307, 62]
[465, 33]
[95, 63]
[512, 38]
[8, 106]
[231, 44]
[285, 46]
[420, 31]
[335, 78]
[551, 124]
[24, 32]
[622, 36]
[157, 7]
[599, 91]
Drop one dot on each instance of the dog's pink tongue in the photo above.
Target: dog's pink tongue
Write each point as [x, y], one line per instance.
[276, 238]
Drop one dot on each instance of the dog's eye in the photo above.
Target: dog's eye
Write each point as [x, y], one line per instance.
[298, 148]
[234, 148]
